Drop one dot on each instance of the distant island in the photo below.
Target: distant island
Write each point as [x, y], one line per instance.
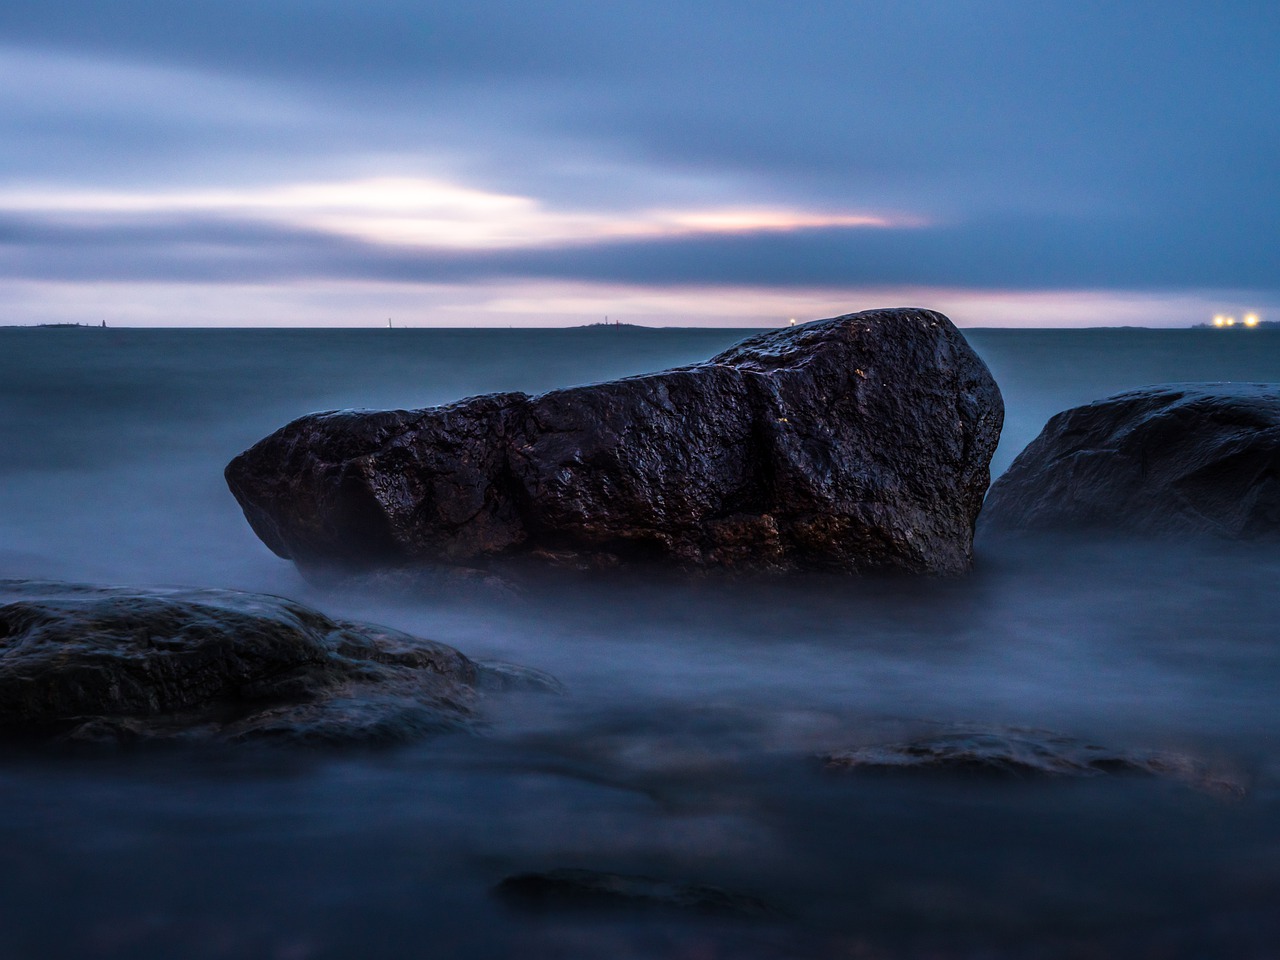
[612, 325]
[53, 326]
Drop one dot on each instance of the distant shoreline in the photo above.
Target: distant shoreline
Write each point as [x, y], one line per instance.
[1260, 325]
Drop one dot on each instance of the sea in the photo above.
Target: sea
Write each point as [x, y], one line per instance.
[685, 745]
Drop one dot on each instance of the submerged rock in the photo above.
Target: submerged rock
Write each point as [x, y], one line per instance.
[858, 443]
[111, 664]
[593, 889]
[1021, 753]
[1185, 459]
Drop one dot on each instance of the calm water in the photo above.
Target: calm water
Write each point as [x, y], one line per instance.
[684, 746]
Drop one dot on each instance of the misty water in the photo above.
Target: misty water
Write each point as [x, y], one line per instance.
[684, 746]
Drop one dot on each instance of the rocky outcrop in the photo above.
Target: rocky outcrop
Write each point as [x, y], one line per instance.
[1021, 753]
[569, 889]
[858, 443]
[83, 663]
[1185, 459]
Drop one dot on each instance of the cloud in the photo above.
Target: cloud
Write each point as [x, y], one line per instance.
[967, 145]
[940, 109]
[417, 212]
[195, 239]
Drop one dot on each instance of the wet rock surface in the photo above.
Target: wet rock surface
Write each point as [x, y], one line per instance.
[570, 889]
[859, 443]
[1185, 459]
[86, 663]
[1018, 753]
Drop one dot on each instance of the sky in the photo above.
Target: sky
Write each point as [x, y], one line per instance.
[331, 162]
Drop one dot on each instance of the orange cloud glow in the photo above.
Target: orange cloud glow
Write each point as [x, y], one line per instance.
[428, 213]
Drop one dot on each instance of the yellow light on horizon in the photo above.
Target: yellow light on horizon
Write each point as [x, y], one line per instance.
[1250, 319]
[1219, 320]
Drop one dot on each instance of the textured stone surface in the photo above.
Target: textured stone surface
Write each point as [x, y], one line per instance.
[1022, 753]
[1198, 459]
[858, 443]
[87, 663]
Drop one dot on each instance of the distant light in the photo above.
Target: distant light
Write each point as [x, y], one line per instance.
[1250, 319]
[793, 321]
[1219, 320]
[1231, 321]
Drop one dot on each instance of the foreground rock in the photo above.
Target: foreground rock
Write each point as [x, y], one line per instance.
[1198, 459]
[92, 663]
[593, 889]
[858, 443]
[1019, 753]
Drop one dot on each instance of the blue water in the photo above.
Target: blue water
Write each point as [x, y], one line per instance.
[684, 745]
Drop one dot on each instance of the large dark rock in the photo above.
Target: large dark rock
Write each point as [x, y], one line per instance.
[1199, 459]
[83, 663]
[858, 443]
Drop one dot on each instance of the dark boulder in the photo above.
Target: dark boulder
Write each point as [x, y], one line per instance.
[859, 443]
[1018, 753]
[83, 663]
[1185, 459]
[569, 889]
